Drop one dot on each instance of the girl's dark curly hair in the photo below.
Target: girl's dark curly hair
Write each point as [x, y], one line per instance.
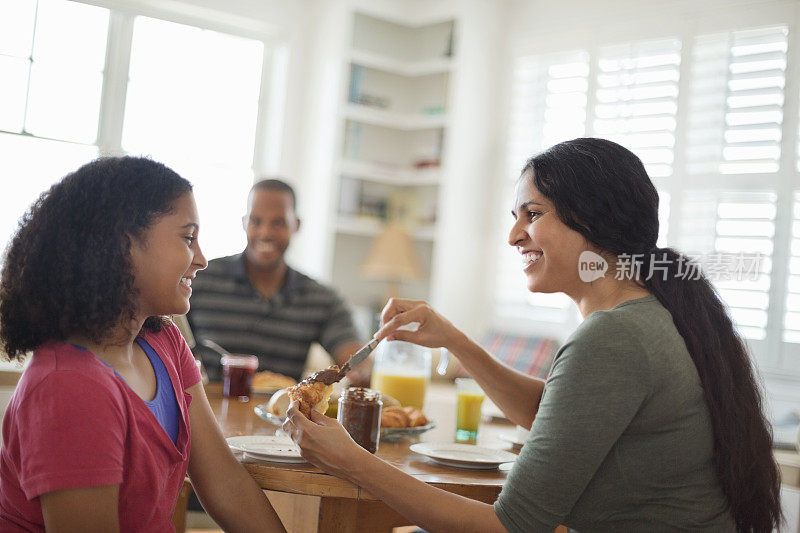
[67, 271]
[602, 191]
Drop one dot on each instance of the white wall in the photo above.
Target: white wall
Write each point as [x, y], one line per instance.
[473, 149]
[574, 20]
[317, 134]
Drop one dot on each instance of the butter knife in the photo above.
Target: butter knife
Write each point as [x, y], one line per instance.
[358, 357]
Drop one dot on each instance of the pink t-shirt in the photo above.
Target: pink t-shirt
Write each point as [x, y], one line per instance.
[73, 423]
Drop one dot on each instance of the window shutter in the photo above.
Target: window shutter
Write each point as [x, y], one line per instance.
[736, 102]
[789, 362]
[791, 319]
[663, 218]
[737, 253]
[637, 99]
[548, 105]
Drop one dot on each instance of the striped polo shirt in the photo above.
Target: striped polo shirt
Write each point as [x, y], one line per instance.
[227, 309]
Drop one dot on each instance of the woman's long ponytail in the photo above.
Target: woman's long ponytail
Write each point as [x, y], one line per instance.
[742, 439]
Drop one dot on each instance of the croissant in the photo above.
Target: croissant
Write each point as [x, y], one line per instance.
[402, 417]
[311, 395]
[394, 417]
[415, 416]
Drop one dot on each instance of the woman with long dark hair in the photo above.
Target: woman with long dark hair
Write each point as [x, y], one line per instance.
[651, 417]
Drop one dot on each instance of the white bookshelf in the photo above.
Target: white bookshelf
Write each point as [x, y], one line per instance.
[400, 67]
[389, 174]
[394, 120]
[367, 227]
[394, 116]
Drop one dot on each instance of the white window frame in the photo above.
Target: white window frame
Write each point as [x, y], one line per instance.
[269, 125]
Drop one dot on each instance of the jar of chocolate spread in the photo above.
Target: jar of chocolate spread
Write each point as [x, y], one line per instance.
[360, 414]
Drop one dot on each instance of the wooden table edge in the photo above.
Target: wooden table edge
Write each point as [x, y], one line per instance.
[326, 485]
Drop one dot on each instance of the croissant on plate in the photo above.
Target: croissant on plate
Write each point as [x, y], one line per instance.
[416, 418]
[402, 417]
[394, 417]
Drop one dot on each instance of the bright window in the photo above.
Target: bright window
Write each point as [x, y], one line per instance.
[192, 103]
[736, 102]
[637, 99]
[791, 319]
[549, 104]
[190, 98]
[714, 153]
[29, 166]
[49, 99]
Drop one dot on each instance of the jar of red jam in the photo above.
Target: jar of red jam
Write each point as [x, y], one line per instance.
[360, 414]
[237, 375]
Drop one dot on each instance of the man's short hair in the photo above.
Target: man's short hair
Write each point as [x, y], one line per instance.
[275, 184]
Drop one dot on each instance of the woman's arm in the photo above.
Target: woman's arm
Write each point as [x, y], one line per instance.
[326, 444]
[515, 393]
[228, 493]
[89, 510]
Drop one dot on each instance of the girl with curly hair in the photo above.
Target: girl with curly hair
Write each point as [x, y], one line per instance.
[111, 412]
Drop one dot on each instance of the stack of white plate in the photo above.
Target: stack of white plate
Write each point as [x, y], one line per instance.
[277, 449]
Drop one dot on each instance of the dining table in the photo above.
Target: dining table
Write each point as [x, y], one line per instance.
[307, 499]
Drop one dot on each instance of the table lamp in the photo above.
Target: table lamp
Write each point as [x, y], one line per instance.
[392, 258]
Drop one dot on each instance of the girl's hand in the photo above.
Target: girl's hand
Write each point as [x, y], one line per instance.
[433, 330]
[324, 442]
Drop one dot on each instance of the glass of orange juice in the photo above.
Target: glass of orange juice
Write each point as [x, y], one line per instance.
[402, 370]
[468, 414]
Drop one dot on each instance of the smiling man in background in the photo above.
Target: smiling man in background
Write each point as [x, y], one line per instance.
[254, 303]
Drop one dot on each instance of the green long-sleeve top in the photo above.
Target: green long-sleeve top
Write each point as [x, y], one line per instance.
[623, 439]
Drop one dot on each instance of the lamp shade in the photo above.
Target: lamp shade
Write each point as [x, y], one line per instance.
[392, 256]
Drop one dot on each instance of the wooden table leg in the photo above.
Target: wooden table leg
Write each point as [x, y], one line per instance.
[357, 516]
[337, 514]
[179, 513]
[297, 512]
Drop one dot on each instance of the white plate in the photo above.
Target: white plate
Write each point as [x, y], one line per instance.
[464, 455]
[237, 443]
[277, 449]
[274, 459]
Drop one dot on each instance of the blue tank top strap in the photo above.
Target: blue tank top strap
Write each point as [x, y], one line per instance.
[164, 406]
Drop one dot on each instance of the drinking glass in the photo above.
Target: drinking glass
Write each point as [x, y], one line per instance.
[237, 376]
[468, 415]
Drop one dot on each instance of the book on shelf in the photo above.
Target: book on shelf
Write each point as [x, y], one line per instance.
[356, 78]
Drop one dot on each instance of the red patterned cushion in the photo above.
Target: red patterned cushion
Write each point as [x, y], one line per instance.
[529, 355]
